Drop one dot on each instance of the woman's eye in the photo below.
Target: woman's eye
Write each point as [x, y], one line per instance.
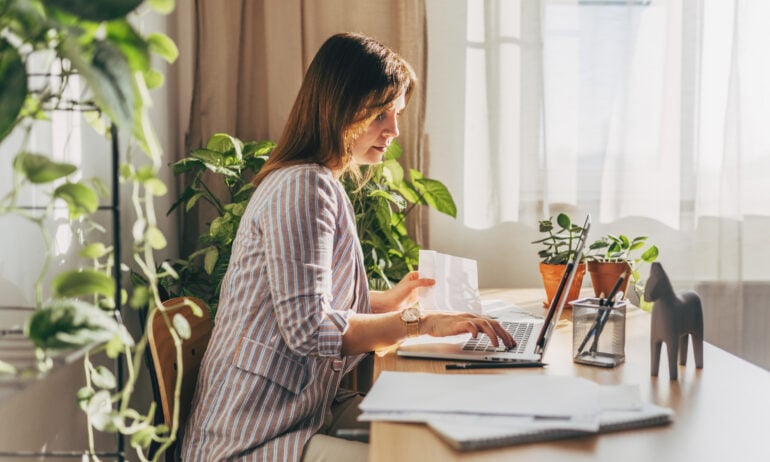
[380, 116]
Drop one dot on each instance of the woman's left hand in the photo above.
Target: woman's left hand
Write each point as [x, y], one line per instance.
[401, 296]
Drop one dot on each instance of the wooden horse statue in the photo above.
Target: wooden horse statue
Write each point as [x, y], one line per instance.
[673, 318]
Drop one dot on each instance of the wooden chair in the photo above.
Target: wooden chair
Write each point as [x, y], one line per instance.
[164, 357]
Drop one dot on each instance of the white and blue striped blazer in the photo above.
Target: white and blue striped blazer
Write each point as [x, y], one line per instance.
[274, 361]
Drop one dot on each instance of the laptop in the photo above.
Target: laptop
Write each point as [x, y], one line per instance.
[531, 334]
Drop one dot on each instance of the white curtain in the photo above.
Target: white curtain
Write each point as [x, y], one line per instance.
[653, 115]
[592, 103]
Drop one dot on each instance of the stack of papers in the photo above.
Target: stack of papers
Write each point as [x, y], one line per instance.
[489, 410]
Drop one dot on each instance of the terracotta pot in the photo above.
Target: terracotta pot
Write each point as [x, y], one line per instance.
[552, 276]
[605, 274]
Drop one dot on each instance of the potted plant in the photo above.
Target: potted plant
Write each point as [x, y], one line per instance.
[612, 255]
[559, 247]
[380, 207]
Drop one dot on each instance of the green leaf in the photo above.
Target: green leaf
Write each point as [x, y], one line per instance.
[192, 201]
[130, 43]
[181, 326]
[95, 250]
[96, 121]
[77, 283]
[223, 143]
[394, 151]
[408, 192]
[210, 258]
[258, 149]
[143, 437]
[156, 187]
[564, 221]
[437, 196]
[103, 378]
[163, 46]
[393, 171]
[62, 324]
[140, 297]
[155, 238]
[188, 165]
[100, 412]
[114, 347]
[83, 396]
[650, 255]
[102, 10]
[13, 91]
[153, 79]
[40, 169]
[108, 75]
[81, 199]
[394, 198]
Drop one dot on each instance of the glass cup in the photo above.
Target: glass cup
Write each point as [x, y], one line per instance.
[598, 332]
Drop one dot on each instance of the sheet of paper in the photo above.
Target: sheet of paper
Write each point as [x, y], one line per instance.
[483, 394]
[457, 283]
[588, 423]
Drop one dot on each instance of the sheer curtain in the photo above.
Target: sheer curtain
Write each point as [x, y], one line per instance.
[650, 114]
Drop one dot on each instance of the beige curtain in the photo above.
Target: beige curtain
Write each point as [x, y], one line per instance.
[249, 58]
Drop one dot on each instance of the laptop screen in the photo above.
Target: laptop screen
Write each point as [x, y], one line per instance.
[560, 298]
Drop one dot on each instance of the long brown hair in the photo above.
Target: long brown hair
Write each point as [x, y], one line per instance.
[350, 80]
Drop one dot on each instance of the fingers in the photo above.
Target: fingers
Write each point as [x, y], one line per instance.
[495, 332]
[414, 280]
[442, 323]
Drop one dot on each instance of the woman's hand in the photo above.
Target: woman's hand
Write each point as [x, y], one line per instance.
[443, 324]
[402, 295]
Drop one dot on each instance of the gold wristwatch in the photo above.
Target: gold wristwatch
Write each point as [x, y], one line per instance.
[411, 317]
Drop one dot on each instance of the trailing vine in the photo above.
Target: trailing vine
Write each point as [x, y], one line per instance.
[93, 45]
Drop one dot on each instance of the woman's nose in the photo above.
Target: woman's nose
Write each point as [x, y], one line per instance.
[391, 128]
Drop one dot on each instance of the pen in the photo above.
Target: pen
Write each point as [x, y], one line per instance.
[603, 316]
[602, 321]
[502, 365]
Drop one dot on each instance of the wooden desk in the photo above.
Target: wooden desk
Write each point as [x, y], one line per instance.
[722, 412]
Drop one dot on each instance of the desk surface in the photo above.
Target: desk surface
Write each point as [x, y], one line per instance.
[722, 412]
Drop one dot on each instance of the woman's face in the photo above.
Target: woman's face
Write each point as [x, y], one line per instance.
[370, 146]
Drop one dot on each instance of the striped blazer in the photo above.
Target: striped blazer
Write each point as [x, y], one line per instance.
[274, 363]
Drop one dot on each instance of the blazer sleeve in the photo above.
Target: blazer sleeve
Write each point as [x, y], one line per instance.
[300, 231]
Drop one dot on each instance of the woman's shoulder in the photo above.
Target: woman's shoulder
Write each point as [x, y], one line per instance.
[300, 172]
[300, 178]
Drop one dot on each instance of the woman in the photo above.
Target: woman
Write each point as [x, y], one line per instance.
[295, 312]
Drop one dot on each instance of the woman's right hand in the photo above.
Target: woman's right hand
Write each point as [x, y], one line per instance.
[443, 324]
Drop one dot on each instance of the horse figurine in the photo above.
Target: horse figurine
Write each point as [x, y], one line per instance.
[673, 318]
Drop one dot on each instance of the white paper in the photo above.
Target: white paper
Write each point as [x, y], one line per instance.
[483, 394]
[457, 283]
[588, 423]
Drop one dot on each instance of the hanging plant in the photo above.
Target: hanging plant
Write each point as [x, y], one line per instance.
[95, 41]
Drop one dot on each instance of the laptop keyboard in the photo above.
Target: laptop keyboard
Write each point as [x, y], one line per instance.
[519, 330]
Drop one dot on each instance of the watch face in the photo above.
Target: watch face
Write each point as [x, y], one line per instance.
[410, 314]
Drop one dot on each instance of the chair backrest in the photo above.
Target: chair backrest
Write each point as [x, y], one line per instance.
[164, 354]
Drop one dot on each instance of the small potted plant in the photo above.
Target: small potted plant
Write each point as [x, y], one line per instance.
[558, 247]
[612, 255]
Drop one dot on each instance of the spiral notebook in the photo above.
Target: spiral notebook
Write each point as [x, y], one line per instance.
[471, 435]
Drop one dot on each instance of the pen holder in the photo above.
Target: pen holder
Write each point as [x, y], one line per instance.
[598, 333]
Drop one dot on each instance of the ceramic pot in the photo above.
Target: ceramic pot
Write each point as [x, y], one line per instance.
[605, 274]
[552, 275]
